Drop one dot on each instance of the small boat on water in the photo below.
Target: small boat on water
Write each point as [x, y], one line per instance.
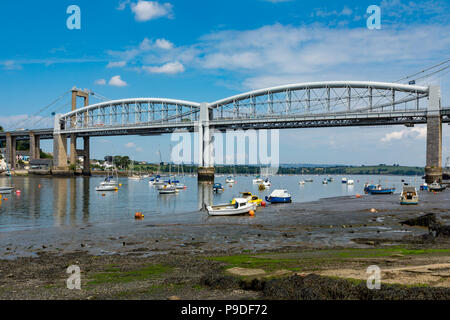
[309, 180]
[106, 188]
[178, 185]
[240, 206]
[6, 190]
[325, 181]
[218, 187]
[381, 190]
[258, 180]
[229, 179]
[250, 198]
[279, 196]
[350, 182]
[301, 182]
[409, 195]
[330, 179]
[266, 183]
[368, 187]
[167, 189]
[436, 187]
[344, 180]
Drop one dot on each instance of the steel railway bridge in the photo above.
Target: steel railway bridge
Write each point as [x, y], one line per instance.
[303, 105]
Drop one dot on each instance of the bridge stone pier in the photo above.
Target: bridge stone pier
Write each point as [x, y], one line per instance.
[11, 151]
[205, 132]
[433, 169]
[35, 146]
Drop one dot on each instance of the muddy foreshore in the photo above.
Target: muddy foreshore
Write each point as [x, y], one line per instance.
[296, 251]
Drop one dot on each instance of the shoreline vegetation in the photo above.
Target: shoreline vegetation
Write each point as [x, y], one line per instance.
[284, 169]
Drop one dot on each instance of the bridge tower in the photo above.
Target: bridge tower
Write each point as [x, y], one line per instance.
[205, 170]
[60, 142]
[433, 169]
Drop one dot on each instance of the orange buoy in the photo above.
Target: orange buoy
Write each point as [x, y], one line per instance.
[251, 212]
[39, 186]
[138, 215]
[263, 203]
[358, 196]
[18, 192]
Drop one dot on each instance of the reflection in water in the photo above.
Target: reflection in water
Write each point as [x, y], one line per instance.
[59, 200]
[86, 197]
[204, 195]
[73, 201]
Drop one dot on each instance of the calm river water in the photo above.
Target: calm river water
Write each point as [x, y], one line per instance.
[66, 202]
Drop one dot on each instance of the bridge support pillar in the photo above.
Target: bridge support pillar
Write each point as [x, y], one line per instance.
[11, 151]
[433, 169]
[60, 166]
[205, 170]
[86, 157]
[35, 146]
[73, 150]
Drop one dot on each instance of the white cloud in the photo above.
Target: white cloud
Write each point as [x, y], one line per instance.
[322, 13]
[410, 133]
[116, 64]
[123, 4]
[116, 81]
[11, 65]
[100, 82]
[148, 10]
[279, 54]
[168, 68]
[163, 44]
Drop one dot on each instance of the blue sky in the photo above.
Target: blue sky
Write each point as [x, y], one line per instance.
[207, 50]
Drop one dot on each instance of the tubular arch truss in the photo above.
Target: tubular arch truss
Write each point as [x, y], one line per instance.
[331, 98]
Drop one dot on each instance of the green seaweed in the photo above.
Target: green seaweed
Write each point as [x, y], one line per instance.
[113, 275]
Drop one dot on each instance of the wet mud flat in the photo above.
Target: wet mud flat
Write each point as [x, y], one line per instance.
[316, 250]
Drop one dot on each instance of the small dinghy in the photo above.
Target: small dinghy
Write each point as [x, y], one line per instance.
[240, 206]
[381, 190]
[6, 190]
[409, 195]
[350, 182]
[258, 180]
[229, 180]
[167, 189]
[436, 187]
[344, 180]
[106, 188]
[217, 187]
[279, 196]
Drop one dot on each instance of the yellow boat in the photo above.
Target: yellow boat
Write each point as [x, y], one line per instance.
[250, 198]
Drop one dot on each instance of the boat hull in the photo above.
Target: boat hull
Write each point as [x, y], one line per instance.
[5, 190]
[408, 202]
[278, 199]
[436, 189]
[229, 210]
[383, 191]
